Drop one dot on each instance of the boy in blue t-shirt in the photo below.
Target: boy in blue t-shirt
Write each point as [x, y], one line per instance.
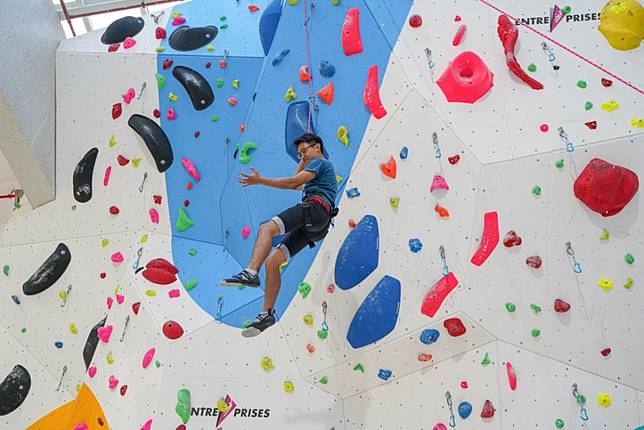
[303, 224]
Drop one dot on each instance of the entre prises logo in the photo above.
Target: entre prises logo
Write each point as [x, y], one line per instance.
[230, 408]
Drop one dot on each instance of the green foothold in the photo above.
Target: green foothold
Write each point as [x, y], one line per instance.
[559, 423]
[183, 222]
[192, 251]
[246, 323]
[566, 9]
[588, 106]
[220, 83]
[157, 363]
[304, 288]
[536, 190]
[486, 360]
[359, 367]
[214, 118]
[559, 163]
[190, 284]
[511, 307]
[5, 269]
[581, 84]
[23, 330]
[245, 156]
[183, 405]
[536, 332]
[160, 80]
[532, 67]
[223, 26]
[323, 333]
[629, 258]
[222, 18]
[324, 380]
[535, 308]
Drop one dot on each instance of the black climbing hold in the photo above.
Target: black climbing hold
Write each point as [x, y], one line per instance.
[155, 139]
[49, 272]
[186, 38]
[83, 176]
[91, 343]
[14, 389]
[119, 30]
[197, 86]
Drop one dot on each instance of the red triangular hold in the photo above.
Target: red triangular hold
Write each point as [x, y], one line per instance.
[591, 125]
[135, 307]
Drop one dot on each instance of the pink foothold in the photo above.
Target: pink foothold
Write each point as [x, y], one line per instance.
[112, 382]
[457, 18]
[80, 426]
[171, 114]
[91, 371]
[154, 216]
[178, 20]
[190, 168]
[459, 35]
[174, 293]
[129, 95]
[106, 177]
[110, 301]
[512, 376]
[464, 384]
[128, 42]
[120, 298]
[117, 257]
[147, 358]
[440, 426]
[147, 425]
[544, 128]
[439, 183]
[104, 333]
[245, 232]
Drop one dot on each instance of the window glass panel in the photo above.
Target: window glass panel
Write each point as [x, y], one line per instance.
[104, 19]
[79, 27]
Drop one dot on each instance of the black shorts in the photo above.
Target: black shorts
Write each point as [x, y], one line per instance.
[292, 223]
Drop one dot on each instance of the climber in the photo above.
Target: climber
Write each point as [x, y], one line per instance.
[303, 224]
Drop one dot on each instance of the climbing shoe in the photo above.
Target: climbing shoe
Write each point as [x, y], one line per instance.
[263, 321]
[241, 279]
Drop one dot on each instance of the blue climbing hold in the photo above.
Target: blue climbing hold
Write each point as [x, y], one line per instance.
[15, 299]
[403, 153]
[377, 315]
[58, 344]
[415, 245]
[268, 24]
[326, 69]
[353, 193]
[464, 409]
[279, 57]
[384, 374]
[358, 255]
[429, 336]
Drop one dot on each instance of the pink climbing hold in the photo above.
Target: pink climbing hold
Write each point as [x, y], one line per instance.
[147, 425]
[91, 371]
[440, 426]
[104, 333]
[147, 357]
[112, 382]
[117, 257]
[190, 168]
[464, 385]
[351, 40]
[171, 114]
[544, 128]
[438, 183]
[120, 298]
[434, 298]
[606, 188]
[106, 176]
[174, 293]
[178, 20]
[466, 79]
[81, 426]
[371, 95]
[128, 43]
[110, 302]
[459, 35]
[245, 232]
[128, 96]
[489, 240]
[154, 216]
[454, 326]
[512, 376]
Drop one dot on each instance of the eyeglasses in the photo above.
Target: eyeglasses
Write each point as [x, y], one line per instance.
[299, 153]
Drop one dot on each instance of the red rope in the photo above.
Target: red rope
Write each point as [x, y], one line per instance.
[545, 36]
[308, 63]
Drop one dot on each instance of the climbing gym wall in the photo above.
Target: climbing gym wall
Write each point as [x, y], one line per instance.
[483, 272]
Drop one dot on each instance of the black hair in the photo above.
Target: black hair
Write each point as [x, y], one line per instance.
[310, 138]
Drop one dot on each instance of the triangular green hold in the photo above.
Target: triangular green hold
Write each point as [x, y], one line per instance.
[192, 252]
[220, 83]
[183, 222]
[324, 380]
[160, 80]
[5, 269]
[486, 360]
[190, 284]
[183, 405]
[359, 367]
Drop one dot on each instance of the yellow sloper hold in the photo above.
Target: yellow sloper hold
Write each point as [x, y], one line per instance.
[84, 409]
[622, 24]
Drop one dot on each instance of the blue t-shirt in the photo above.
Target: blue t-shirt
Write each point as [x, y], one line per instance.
[324, 182]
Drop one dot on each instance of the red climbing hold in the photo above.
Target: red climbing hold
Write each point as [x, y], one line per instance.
[326, 93]
[181, 427]
[135, 307]
[434, 298]
[591, 125]
[466, 79]
[453, 159]
[561, 306]
[415, 21]
[167, 63]
[605, 188]
[102, 275]
[464, 385]
[511, 239]
[389, 168]
[208, 64]
[114, 210]
[123, 389]
[606, 351]
[122, 160]
[534, 261]
[172, 330]
[186, 202]
[512, 376]
[351, 40]
[160, 271]
[454, 326]
[457, 18]
[117, 110]
[508, 33]
[113, 47]
[489, 240]
[197, 133]
[223, 64]
[371, 95]
[488, 410]
[232, 101]
[352, 223]
[606, 82]
[159, 33]
[156, 113]
[157, 199]
[459, 35]
[253, 7]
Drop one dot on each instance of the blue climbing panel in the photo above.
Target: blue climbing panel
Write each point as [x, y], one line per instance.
[377, 315]
[268, 24]
[358, 256]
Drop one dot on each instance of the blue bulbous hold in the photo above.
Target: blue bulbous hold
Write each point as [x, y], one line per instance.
[415, 245]
[327, 69]
[464, 409]
[403, 153]
[429, 336]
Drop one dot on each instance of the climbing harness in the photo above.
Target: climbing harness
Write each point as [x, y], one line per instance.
[452, 418]
[581, 400]
[576, 267]
[127, 321]
[564, 138]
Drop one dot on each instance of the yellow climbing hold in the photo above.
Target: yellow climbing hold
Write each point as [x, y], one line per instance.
[210, 48]
[105, 242]
[292, 2]
[338, 179]
[604, 399]
[62, 294]
[267, 364]
[290, 94]
[236, 84]
[394, 202]
[144, 238]
[605, 235]
[622, 24]
[605, 283]
[72, 328]
[112, 141]
[343, 134]
[110, 358]
[176, 14]
[172, 96]
[159, 48]
[629, 283]
[288, 385]
[150, 293]
[335, 2]
[637, 122]
[222, 406]
[136, 161]
[308, 319]
[610, 105]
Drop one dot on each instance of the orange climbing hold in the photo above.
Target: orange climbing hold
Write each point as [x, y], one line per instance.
[441, 211]
[84, 409]
[389, 168]
[305, 74]
[326, 93]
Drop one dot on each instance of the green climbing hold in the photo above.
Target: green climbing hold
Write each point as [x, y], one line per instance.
[223, 26]
[183, 405]
[190, 284]
[157, 363]
[5, 269]
[559, 163]
[304, 288]
[532, 67]
[536, 332]
[566, 9]
[535, 308]
[359, 367]
[559, 423]
[214, 118]
[246, 323]
[588, 106]
[23, 330]
[192, 251]
[160, 80]
[183, 221]
[323, 333]
[219, 82]
[536, 190]
[486, 360]
[629, 258]
[245, 156]
[582, 84]
[222, 18]
[324, 380]
[511, 307]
